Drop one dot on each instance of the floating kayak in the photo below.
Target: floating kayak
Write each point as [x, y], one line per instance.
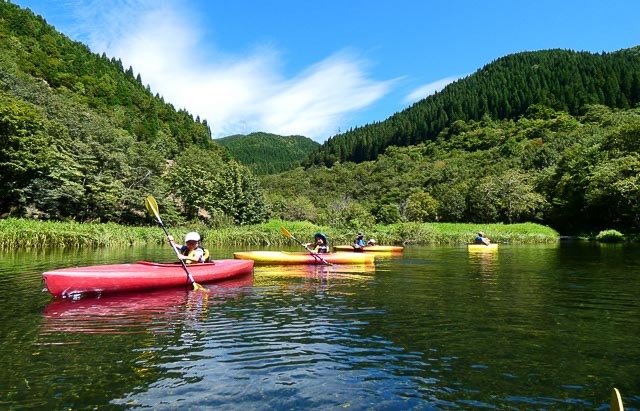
[482, 247]
[138, 276]
[137, 311]
[284, 257]
[370, 248]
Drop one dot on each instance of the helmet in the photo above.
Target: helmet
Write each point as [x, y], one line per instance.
[360, 234]
[192, 236]
[372, 241]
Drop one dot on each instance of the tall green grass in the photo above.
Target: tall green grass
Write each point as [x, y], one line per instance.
[17, 233]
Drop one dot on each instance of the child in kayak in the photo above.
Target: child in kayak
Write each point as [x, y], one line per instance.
[319, 245]
[481, 239]
[191, 251]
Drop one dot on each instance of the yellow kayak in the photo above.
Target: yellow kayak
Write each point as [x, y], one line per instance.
[284, 257]
[370, 248]
[482, 247]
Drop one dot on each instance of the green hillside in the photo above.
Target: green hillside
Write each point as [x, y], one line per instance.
[266, 153]
[560, 79]
[81, 138]
[551, 137]
[577, 174]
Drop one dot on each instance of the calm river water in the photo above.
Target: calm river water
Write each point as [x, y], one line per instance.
[549, 327]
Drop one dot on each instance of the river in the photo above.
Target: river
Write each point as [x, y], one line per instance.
[536, 327]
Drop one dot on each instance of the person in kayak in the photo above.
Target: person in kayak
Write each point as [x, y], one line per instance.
[481, 239]
[192, 251]
[371, 242]
[359, 241]
[319, 245]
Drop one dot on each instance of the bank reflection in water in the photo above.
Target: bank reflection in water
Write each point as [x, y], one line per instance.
[136, 312]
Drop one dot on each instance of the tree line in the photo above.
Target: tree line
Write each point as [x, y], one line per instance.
[560, 79]
[83, 139]
[266, 153]
[551, 137]
[575, 173]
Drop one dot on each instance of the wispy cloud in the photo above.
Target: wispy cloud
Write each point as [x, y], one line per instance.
[234, 93]
[429, 89]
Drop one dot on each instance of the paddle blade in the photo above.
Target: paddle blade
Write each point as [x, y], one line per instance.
[616, 400]
[198, 287]
[152, 206]
[286, 232]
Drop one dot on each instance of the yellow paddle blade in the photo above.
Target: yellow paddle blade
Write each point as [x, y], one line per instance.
[152, 205]
[198, 287]
[286, 232]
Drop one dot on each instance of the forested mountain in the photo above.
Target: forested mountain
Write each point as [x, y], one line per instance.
[82, 138]
[266, 153]
[577, 174]
[559, 79]
[550, 137]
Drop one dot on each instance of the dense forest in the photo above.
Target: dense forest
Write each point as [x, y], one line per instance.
[560, 79]
[551, 137]
[266, 153]
[578, 174]
[81, 138]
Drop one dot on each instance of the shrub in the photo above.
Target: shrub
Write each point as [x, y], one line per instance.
[610, 236]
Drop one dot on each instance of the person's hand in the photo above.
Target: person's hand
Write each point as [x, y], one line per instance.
[170, 237]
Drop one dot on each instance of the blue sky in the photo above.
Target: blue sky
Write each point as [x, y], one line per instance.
[316, 68]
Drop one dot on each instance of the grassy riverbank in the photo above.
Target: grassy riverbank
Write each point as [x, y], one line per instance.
[16, 233]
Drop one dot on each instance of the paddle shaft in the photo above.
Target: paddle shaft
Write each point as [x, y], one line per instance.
[313, 253]
[152, 206]
[173, 245]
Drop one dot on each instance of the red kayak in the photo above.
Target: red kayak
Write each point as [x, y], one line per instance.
[137, 311]
[139, 276]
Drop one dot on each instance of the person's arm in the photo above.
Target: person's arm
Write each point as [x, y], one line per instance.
[173, 242]
[197, 256]
[193, 259]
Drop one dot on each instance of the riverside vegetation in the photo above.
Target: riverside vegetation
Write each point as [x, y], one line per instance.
[21, 233]
[549, 137]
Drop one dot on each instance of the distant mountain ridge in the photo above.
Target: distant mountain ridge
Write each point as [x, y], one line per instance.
[266, 153]
[560, 79]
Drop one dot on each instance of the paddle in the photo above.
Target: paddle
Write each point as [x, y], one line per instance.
[314, 254]
[152, 207]
[616, 400]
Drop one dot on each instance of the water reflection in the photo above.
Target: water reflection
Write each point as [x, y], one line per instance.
[317, 272]
[536, 328]
[483, 262]
[140, 312]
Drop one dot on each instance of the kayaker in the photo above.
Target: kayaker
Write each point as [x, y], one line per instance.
[371, 242]
[359, 241]
[481, 239]
[191, 251]
[320, 244]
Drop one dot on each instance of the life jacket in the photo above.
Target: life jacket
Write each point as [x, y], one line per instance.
[320, 249]
[206, 257]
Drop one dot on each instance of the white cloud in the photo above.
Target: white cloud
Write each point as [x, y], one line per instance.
[235, 94]
[429, 89]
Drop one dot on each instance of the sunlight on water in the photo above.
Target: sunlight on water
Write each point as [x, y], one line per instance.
[537, 327]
